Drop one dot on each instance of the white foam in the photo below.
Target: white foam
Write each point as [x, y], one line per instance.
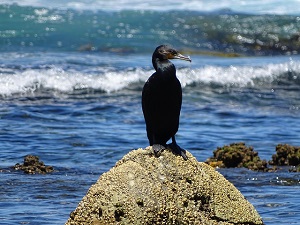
[57, 79]
[108, 80]
[237, 75]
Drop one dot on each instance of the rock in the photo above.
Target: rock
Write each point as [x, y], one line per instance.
[32, 165]
[144, 189]
[286, 155]
[86, 47]
[295, 169]
[237, 155]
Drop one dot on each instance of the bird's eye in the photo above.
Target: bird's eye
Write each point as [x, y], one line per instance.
[162, 52]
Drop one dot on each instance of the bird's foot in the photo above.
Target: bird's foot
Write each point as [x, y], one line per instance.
[178, 150]
[157, 149]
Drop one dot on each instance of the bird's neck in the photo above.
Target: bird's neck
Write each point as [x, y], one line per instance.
[165, 67]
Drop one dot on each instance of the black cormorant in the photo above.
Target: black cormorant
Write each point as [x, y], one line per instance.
[161, 101]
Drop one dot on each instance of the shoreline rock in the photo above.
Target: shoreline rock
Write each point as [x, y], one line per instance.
[286, 155]
[237, 155]
[33, 165]
[144, 189]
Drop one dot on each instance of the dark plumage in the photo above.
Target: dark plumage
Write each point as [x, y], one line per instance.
[161, 100]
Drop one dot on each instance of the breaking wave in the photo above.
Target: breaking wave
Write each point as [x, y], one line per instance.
[112, 80]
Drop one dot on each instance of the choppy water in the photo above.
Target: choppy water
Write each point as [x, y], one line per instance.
[70, 89]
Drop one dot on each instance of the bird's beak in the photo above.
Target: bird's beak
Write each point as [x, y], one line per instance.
[182, 57]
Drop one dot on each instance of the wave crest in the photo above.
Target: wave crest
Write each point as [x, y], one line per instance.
[241, 75]
[109, 80]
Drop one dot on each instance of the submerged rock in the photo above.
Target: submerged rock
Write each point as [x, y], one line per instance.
[286, 155]
[32, 165]
[144, 189]
[237, 155]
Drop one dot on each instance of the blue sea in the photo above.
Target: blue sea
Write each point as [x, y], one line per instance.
[71, 76]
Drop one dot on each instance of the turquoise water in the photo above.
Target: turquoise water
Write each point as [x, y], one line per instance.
[71, 83]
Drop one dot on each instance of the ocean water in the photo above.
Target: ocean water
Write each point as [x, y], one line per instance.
[71, 76]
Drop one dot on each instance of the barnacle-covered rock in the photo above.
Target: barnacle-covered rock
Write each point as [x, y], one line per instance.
[144, 189]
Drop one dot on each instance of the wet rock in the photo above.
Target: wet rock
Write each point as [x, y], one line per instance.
[86, 47]
[144, 189]
[121, 50]
[237, 155]
[266, 46]
[32, 165]
[286, 155]
[295, 169]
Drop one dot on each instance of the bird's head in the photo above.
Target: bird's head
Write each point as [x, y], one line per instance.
[164, 52]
